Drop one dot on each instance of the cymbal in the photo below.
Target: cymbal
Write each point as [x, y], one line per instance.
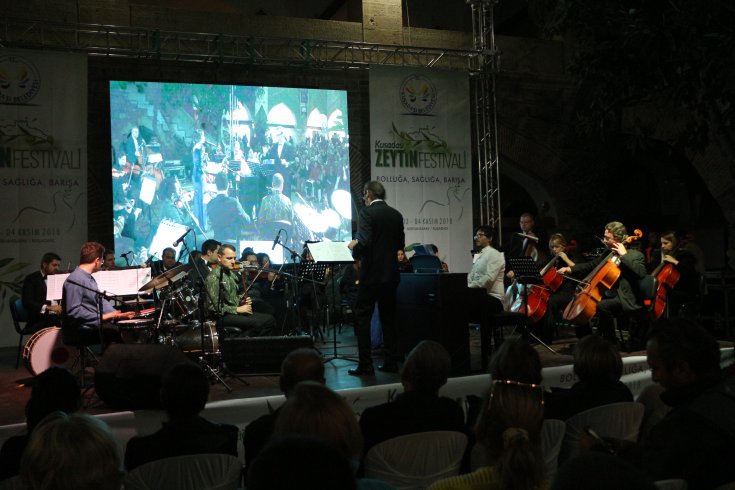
[164, 280]
[142, 301]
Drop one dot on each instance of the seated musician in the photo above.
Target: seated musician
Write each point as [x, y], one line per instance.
[622, 297]
[80, 318]
[487, 273]
[686, 288]
[224, 300]
[41, 313]
[168, 261]
[560, 298]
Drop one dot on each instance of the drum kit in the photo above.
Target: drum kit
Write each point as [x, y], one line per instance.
[172, 318]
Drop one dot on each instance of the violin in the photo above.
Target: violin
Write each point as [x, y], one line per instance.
[535, 303]
[602, 278]
[666, 276]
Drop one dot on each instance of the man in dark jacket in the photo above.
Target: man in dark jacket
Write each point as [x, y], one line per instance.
[41, 313]
[380, 235]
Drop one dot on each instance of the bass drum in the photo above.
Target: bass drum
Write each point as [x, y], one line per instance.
[45, 349]
[190, 341]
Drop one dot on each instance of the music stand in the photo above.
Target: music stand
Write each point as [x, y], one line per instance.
[331, 253]
[527, 274]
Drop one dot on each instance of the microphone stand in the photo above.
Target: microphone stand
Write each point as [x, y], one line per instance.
[291, 293]
[203, 363]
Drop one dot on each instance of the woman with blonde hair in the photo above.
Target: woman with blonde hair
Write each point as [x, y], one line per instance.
[72, 452]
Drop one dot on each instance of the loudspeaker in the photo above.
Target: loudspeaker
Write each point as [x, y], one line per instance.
[128, 376]
[260, 354]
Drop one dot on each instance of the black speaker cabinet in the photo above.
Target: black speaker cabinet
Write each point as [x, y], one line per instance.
[260, 354]
[433, 307]
[128, 376]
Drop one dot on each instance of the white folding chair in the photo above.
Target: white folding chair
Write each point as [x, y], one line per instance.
[552, 436]
[415, 461]
[618, 420]
[671, 484]
[193, 472]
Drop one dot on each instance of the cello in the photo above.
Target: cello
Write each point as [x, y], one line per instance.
[535, 303]
[602, 278]
[666, 277]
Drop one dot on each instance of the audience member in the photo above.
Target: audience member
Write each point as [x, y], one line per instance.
[601, 471]
[509, 429]
[72, 452]
[419, 408]
[311, 464]
[598, 367]
[299, 365]
[55, 389]
[313, 410]
[184, 393]
[696, 440]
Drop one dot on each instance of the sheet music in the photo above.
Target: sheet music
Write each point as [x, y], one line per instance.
[122, 282]
[330, 252]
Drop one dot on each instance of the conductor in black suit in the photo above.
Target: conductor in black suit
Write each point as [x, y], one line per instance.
[379, 237]
[41, 313]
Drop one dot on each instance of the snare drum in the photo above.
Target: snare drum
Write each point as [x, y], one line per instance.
[190, 341]
[135, 330]
[45, 349]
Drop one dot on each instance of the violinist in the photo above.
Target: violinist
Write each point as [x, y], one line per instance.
[222, 287]
[687, 286]
[622, 297]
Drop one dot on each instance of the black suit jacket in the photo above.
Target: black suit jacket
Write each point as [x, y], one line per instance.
[632, 270]
[380, 234]
[34, 297]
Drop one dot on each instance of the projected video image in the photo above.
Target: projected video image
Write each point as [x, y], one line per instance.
[232, 163]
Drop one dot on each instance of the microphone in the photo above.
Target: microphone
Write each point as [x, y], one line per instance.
[125, 255]
[275, 240]
[181, 238]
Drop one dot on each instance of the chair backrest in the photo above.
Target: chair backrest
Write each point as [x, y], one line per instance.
[415, 461]
[193, 472]
[552, 436]
[426, 263]
[672, 484]
[18, 313]
[619, 420]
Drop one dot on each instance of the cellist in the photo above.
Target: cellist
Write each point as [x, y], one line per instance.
[687, 287]
[622, 296]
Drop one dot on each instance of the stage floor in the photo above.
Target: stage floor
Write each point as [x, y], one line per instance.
[14, 390]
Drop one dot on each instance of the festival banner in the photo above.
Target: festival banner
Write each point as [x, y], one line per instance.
[43, 166]
[421, 153]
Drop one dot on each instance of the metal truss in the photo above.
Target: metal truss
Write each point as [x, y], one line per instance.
[143, 43]
[482, 78]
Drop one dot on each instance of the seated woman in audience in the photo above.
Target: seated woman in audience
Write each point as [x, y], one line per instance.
[509, 429]
[598, 367]
[72, 452]
[315, 411]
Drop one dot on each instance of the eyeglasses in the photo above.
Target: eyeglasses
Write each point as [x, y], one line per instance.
[478, 235]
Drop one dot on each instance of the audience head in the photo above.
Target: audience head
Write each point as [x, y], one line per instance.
[54, 390]
[427, 367]
[71, 452]
[601, 471]
[311, 464]
[682, 353]
[509, 427]
[596, 360]
[184, 391]
[302, 364]
[314, 410]
[515, 359]
[220, 181]
[277, 182]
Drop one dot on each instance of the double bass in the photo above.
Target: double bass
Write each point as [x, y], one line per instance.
[602, 278]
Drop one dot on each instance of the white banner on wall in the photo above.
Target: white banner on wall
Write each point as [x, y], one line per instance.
[43, 165]
[421, 152]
